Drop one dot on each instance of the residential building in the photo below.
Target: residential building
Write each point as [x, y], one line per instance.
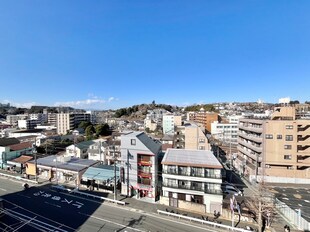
[225, 132]
[275, 149]
[203, 118]
[68, 121]
[170, 121]
[80, 150]
[190, 136]
[150, 124]
[192, 180]
[28, 123]
[139, 165]
[13, 119]
[98, 150]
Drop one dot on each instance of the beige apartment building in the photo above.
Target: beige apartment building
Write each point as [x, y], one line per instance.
[190, 136]
[275, 149]
[68, 121]
[203, 118]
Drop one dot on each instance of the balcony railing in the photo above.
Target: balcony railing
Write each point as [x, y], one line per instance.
[186, 173]
[187, 187]
[145, 174]
[257, 139]
[145, 162]
[213, 191]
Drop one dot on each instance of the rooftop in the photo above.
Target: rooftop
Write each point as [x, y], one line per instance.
[74, 164]
[193, 158]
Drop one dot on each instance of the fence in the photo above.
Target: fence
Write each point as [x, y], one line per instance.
[213, 224]
[75, 191]
[293, 216]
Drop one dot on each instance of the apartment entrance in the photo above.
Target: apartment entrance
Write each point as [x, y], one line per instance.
[173, 199]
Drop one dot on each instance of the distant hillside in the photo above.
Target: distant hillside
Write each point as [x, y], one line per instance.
[206, 107]
[139, 111]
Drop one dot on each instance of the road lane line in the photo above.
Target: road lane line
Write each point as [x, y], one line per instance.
[118, 224]
[52, 204]
[3, 189]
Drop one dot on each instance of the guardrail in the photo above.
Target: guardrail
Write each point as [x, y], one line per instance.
[213, 224]
[60, 187]
[18, 178]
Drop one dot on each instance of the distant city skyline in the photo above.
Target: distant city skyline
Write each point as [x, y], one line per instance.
[112, 54]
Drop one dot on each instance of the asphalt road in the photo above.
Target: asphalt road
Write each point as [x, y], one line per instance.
[44, 209]
[295, 198]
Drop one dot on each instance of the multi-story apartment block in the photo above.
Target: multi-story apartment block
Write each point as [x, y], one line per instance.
[192, 180]
[275, 149]
[150, 123]
[139, 165]
[170, 121]
[203, 118]
[28, 124]
[52, 119]
[13, 119]
[190, 136]
[225, 132]
[68, 121]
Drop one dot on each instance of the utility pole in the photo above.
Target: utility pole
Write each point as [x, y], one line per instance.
[114, 171]
[34, 151]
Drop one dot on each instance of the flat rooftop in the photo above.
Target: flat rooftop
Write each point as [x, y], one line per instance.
[193, 158]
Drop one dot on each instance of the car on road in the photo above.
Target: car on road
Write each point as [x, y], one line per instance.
[229, 189]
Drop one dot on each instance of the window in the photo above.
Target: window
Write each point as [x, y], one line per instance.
[289, 137]
[287, 157]
[133, 142]
[279, 136]
[201, 140]
[201, 147]
[269, 136]
[289, 126]
[288, 147]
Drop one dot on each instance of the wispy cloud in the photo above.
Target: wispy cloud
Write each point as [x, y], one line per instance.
[94, 101]
[20, 104]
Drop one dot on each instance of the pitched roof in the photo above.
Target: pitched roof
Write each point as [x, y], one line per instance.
[4, 142]
[20, 146]
[22, 159]
[193, 158]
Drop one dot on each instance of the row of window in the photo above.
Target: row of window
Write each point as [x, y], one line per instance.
[287, 137]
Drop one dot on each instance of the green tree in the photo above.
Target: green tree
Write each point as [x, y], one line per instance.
[89, 131]
[84, 124]
[102, 129]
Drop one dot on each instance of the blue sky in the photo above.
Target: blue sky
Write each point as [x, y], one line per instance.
[111, 54]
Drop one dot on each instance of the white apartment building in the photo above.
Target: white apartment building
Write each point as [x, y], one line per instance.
[170, 121]
[192, 180]
[139, 165]
[226, 132]
[234, 119]
[13, 119]
[98, 150]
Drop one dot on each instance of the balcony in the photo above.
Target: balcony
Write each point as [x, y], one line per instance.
[257, 139]
[258, 130]
[187, 187]
[300, 128]
[249, 154]
[144, 162]
[213, 191]
[251, 146]
[144, 174]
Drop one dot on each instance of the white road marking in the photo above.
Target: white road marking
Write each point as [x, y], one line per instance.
[307, 201]
[52, 204]
[118, 224]
[3, 190]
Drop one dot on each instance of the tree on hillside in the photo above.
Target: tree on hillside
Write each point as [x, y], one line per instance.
[102, 129]
[89, 132]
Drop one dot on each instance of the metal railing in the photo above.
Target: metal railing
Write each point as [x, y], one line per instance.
[213, 224]
[75, 191]
[18, 178]
[293, 216]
